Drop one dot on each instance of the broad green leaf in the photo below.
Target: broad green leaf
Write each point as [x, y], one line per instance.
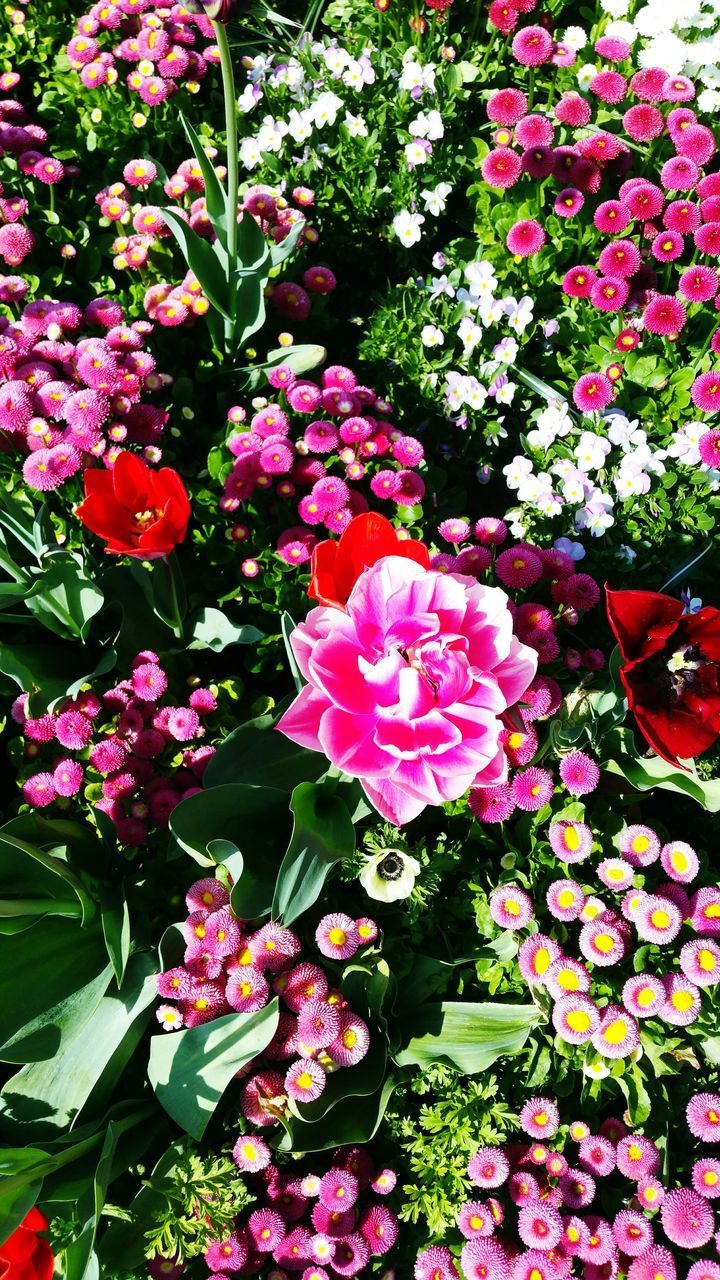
[80, 1259]
[97, 1030]
[255, 820]
[122, 1245]
[258, 753]
[115, 919]
[323, 835]
[18, 521]
[212, 629]
[202, 261]
[64, 599]
[468, 1036]
[287, 626]
[249, 306]
[190, 1070]
[52, 672]
[356, 1122]
[646, 772]
[253, 248]
[300, 358]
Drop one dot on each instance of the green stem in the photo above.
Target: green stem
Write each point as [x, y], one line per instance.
[231, 134]
[174, 617]
[38, 907]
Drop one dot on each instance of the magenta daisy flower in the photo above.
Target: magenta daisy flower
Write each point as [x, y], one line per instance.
[475, 1220]
[703, 1116]
[351, 1255]
[352, 1041]
[251, 1154]
[536, 955]
[615, 873]
[305, 982]
[305, 1080]
[706, 1177]
[650, 1193]
[539, 1226]
[272, 946]
[632, 1232]
[580, 775]
[523, 1188]
[435, 1263]
[602, 942]
[577, 1189]
[511, 907]
[384, 1182]
[704, 1271]
[597, 1155]
[656, 1263]
[228, 1254]
[570, 841]
[492, 804]
[246, 990]
[657, 919]
[488, 1168]
[266, 1229]
[618, 1034]
[532, 788]
[484, 1260]
[222, 933]
[682, 1001]
[318, 1025]
[336, 937]
[207, 894]
[379, 1229]
[643, 995]
[637, 1157]
[565, 899]
[687, 1218]
[539, 1118]
[705, 390]
[700, 961]
[339, 1189]
[566, 977]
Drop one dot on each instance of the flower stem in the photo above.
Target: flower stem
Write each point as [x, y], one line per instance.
[231, 134]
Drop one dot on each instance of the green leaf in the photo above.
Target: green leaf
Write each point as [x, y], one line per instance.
[646, 772]
[280, 252]
[253, 248]
[254, 820]
[287, 626]
[215, 195]
[323, 835]
[18, 521]
[190, 1070]
[468, 1036]
[202, 261]
[259, 754]
[358, 1122]
[115, 918]
[80, 1259]
[212, 629]
[64, 599]
[50, 673]
[21, 1180]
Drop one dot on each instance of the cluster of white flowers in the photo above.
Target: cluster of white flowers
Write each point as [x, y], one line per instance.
[595, 470]
[678, 35]
[320, 102]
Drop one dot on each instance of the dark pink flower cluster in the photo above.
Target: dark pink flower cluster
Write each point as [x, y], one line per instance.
[320, 1225]
[136, 754]
[542, 1214]
[160, 41]
[68, 394]
[25, 141]
[230, 965]
[610, 935]
[666, 217]
[319, 440]
[539, 623]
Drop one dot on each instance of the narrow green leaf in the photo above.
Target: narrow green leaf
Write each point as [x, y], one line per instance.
[280, 252]
[202, 261]
[115, 918]
[215, 195]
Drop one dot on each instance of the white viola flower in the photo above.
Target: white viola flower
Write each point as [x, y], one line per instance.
[325, 108]
[390, 875]
[367, 68]
[300, 124]
[257, 68]
[564, 468]
[495, 432]
[575, 38]
[407, 227]
[596, 1069]
[630, 483]
[506, 351]
[436, 200]
[616, 8]
[352, 76]
[469, 333]
[355, 125]
[290, 74]
[480, 273]
[517, 471]
[530, 489]
[440, 287]
[591, 451]
[414, 78]
[549, 503]
[556, 417]
[249, 98]
[709, 100]
[515, 523]
[573, 489]
[585, 74]
[429, 125]
[250, 153]
[453, 390]
[490, 311]
[431, 336]
[336, 59]
[541, 438]
[417, 152]
[475, 393]
[596, 516]
[519, 314]
[621, 431]
[271, 133]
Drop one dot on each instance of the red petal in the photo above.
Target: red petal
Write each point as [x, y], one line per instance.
[674, 734]
[641, 620]
[132, 482]
[367, 538]
[323, 586]
[703, 628]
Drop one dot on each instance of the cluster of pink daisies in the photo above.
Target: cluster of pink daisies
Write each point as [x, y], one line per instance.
[664, 221]
[646, 913]
[160, 42]
[136, 753]
[228, 965]
[276, 214]
[312, 445]
[316, 1226]
[25, 141]
[542, 1216]
[69, 393]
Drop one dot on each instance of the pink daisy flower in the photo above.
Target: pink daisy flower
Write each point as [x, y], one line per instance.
[474, 1220]
[650, 1192]
[488, 1168]
[352, 1042]
[532, 788]
[484, 1260]
[247, 991]
[265, 1229]
[597, 1155]
[536, 955]
[680, 861]
[657, 919]
[639, 845]
[618, 1034]
[637, 1157]
[682, 1001]
[706, 1177]
[539, 1226]
[643, 995]
[700, 961]
[532, 46]
[379, 1229]
[570, 841]
[705, 392]
[305, 1080]
[526, 238]
[318, 1025]
[567, 976]
[435, 1263]
[336, 937]
[687, 1218]
[539, 1118]
[579, 773]
[576, 1018]
[565, 899]
[703, 1116]
[251, 1154]
[492, 804]
[593, 392]
[511, 907]
[602, 942]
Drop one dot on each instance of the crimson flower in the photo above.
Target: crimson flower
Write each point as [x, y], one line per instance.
[671, 670]
[25, 1255]
[138, 511]
[336, 566]
[219, 10]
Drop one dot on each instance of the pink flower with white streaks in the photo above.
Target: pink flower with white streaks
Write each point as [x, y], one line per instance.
[406, 686]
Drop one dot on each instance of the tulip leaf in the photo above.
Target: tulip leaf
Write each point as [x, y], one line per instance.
[202, 261]
[258, 754]
[280, 252]
[215, 196]
[645, 772]
[63, 598]
[212, 629]
[468, 1036]
[323, 835]
[190, 1070]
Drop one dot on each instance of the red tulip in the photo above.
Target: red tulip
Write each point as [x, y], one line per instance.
[671, 670]
[25, 1255]
[219, 10]
[336, 566]
[138, 511]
